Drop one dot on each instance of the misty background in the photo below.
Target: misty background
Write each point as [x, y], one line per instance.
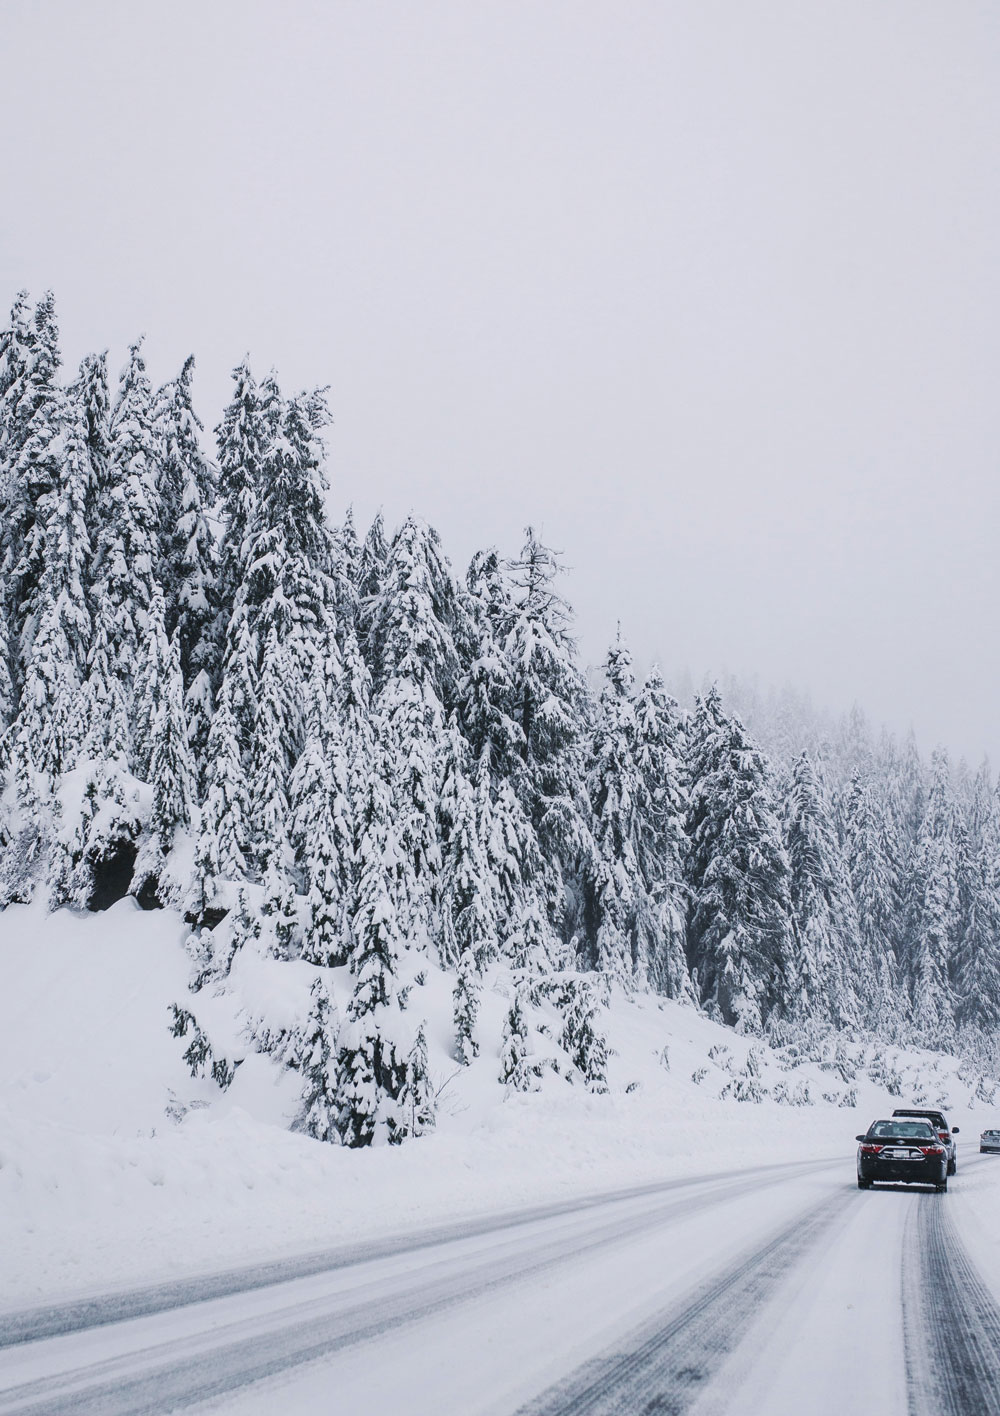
[708, 291]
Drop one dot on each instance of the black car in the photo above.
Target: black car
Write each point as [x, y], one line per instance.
[898, 1150]
[946, 1134]
[989, 1141]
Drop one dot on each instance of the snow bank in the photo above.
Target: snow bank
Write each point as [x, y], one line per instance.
[116, 1167]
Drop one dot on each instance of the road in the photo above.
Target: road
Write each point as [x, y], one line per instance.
[775, 1289]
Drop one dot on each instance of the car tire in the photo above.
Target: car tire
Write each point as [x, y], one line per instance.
[982, 1150]
[864, 1184]
[952, 1167]
[942, 1187]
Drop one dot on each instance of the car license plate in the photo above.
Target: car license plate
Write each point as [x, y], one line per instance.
[898, 1153]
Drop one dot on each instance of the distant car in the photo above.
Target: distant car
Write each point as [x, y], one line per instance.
[989, 1141]
[946, 1134]
[896, 1150]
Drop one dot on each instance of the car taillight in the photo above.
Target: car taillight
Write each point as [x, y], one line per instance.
[870, 1150]
[943, 1135]
[932, 1150]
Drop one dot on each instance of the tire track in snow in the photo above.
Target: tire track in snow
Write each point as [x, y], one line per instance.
[951, 1322]
[669, 1362]
[52, 1320]
[156, 1379]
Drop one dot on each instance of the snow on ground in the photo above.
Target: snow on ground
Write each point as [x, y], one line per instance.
[116, 1168]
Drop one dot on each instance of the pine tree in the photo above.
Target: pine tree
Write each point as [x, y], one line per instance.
[127, 546]
[188, 567]
[322, 822]
[370, 575]
[516, 1073]
[581, 1037]
[469, 888]
[149, 684]
[486, 707]
[224, 834]
[318, 1064]
[90, 395]
[615, 899]
[661, 843]
[55, 666]
[418, 1104]
[932, 910]
[411, 624]
[33, 472]
[822, 908]
[466, 1002]
[976, 971]
[171, 770]
[875, 888]
[243, 439]
[739, 922]
[372, 1072]
[269, 765]
[549, 703]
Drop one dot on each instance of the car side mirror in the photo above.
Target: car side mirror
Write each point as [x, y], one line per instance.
[859, 1138]
[954, 1130]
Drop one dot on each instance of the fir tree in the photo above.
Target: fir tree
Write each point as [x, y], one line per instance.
[371, 1071]
[549, 703]
[932, 910]
[127, 546]
[976, 969]
[411, 624]
[224, 834]
[740, 936]
[822, 909]
[875, 888]
[615, 898]
[322, 827]
[318, 1065]
[34, 472]
[243, 439]
[171, 770]
[516, 1073]
[466, 1002]
[418, 1104]
[187, 548]
[661, 843]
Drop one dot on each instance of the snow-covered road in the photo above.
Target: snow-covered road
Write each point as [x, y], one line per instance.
[777, 1289]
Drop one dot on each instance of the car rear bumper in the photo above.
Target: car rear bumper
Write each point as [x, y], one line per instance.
[896, 1172]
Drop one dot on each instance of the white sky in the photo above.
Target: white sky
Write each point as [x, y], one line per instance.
[708, 290]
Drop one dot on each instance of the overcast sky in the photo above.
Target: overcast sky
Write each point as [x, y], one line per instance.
[708, 290]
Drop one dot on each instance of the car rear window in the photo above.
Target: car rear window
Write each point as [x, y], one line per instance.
[905, 1130]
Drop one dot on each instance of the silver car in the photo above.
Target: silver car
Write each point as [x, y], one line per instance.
[989, 1141]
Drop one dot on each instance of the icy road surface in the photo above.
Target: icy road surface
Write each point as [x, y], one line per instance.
[775, 1290]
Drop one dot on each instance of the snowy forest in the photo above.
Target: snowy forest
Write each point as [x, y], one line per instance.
[321, 744]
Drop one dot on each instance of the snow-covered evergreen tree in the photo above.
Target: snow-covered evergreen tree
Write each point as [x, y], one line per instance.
[224, 836]
[318, 1065]
[932, 919]
[615, 895]
[823, 985]
[550, 704]
[516, 1072]
[661, 843]
[371, 1067]
[740, 937]
[128, 544]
